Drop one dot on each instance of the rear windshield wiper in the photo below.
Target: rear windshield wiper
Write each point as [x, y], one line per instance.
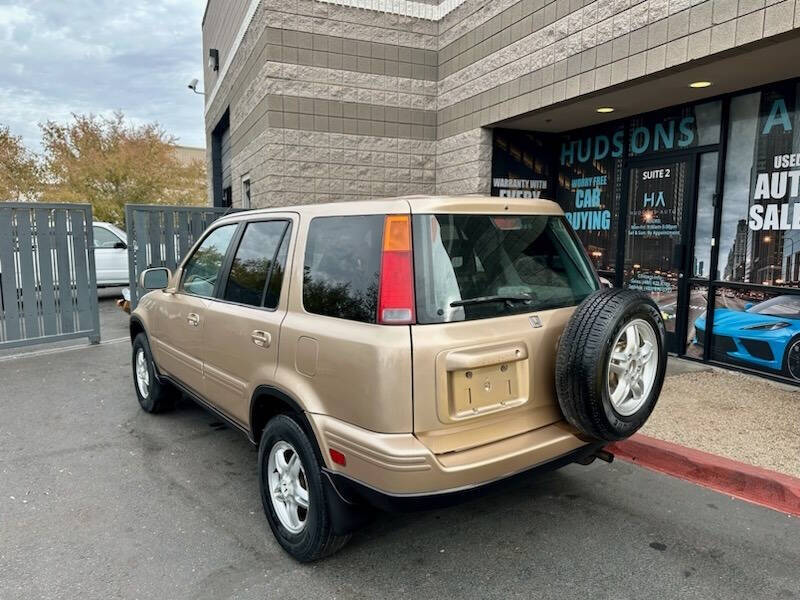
[490, 299]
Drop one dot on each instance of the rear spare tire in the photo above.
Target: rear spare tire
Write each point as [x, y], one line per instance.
[610, 364]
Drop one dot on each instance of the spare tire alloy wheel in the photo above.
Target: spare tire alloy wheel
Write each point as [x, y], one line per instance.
[610, 364]
[632, 367]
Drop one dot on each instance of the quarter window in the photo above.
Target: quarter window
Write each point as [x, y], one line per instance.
[253, 263]
[342, 266]
[202, 270]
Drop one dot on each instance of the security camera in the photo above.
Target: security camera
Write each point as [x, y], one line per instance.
[193, 86]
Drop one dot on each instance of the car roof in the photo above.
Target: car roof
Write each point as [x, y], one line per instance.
[421, 204]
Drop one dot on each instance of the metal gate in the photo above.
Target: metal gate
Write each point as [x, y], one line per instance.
[48, 290]
[160, 236]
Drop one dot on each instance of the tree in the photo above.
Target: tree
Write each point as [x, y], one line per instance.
[20, 174]
[109, 163]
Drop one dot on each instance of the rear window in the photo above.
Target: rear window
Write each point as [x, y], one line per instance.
[342, 266]
[480, 266]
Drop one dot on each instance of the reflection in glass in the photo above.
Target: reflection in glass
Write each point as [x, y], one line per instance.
[479, 266]
[253, 261]
[757, 241]
[755, 329]
[734, 234]
[656, 204]
[342, 264]
[704, 223]
[590, 176]
[698, 301]
[202, 269]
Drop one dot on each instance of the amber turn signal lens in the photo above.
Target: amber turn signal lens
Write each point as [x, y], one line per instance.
[397, 233]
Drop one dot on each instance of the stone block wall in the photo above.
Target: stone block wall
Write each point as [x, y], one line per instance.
[331, 102]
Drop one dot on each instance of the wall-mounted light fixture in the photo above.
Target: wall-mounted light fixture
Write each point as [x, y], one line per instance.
[213, 59]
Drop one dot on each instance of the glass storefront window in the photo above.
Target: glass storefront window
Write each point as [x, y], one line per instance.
[521, 165]
[760, 220]
[590, 188]
[675, 129]
[704, 217]
[698, 301]
[756, 329]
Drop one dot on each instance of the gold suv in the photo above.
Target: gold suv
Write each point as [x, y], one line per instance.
[397, 353]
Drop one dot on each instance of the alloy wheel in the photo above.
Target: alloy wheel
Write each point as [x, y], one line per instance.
[793, 360]
[632, 367]
[288, 486]
[142, 374]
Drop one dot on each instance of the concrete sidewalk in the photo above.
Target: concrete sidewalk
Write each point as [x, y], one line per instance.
[737, 416]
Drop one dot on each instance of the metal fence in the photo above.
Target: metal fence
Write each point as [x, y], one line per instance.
[160, 236]
[48, 290]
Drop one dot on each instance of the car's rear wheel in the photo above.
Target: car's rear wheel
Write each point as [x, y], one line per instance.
[611, 363]
[791, 359]
[154, 396]
[292, 492]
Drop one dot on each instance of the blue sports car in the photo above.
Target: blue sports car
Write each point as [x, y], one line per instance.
[764, 335]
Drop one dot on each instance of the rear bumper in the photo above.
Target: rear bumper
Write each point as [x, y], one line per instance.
[349, 493]
[399, 466]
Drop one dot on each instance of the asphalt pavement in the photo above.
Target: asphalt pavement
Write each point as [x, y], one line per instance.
[100, 500]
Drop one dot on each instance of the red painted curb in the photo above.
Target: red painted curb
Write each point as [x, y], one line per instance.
[760, 486]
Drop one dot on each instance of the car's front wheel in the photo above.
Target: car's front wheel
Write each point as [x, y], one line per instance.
[154, 396]
[292, 492]
[791, 359]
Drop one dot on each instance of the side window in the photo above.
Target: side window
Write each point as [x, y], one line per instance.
[342, 266]
[103, 238]
[278, 269]
[253, 262]
[202, 270]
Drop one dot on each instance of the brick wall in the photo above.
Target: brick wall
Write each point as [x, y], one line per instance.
[331, 102]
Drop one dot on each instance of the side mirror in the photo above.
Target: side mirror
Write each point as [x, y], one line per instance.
[156, 278]
[120, 246]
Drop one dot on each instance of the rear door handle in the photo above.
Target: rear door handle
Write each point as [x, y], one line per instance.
[193, 319]
[262, 339]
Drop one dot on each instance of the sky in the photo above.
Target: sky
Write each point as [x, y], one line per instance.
[96, 56]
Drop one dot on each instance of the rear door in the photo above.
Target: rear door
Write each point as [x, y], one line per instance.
[242, 325]
[493, 294]
[181, 315]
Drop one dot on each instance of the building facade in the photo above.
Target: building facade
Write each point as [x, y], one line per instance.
[666, 129]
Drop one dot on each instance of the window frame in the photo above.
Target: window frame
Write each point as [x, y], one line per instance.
[227, 264]
[179, 288]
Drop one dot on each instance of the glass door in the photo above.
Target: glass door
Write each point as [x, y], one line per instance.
[660, 208]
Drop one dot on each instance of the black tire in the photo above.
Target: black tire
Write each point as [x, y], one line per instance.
[582, 363]
[317, 539]
[791, 359]
[160, 396]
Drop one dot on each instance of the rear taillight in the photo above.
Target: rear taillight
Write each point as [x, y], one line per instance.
[396, 290]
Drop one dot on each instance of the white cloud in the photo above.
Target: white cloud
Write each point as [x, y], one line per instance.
[99, 56]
